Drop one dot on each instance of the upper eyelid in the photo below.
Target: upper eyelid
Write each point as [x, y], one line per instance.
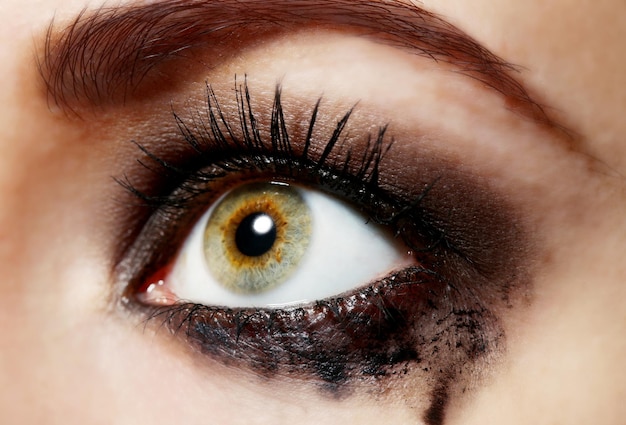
[101, 56]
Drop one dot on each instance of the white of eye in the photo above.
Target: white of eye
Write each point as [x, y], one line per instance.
[344, 252]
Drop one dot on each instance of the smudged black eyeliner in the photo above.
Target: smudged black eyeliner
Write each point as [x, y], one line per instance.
[434, 320]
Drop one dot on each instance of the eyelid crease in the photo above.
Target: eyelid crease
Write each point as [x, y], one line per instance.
[102, 57]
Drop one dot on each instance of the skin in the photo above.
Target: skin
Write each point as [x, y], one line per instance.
[68, 354]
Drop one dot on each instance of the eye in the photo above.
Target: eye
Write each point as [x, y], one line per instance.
[275, 244]
[292, 247]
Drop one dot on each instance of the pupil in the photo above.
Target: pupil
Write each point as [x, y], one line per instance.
[255, 235]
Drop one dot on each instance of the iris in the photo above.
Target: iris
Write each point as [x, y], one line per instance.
[256, 236]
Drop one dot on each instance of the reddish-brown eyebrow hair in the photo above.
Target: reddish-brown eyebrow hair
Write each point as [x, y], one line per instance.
[101, 56]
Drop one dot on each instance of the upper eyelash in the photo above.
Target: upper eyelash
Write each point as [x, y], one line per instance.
[218, 150]
[216, 144]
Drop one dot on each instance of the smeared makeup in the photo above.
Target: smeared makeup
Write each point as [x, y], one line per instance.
[435, 322]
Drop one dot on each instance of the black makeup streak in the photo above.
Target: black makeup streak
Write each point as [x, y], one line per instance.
[434, 321]
[435, 414]
[358, 337]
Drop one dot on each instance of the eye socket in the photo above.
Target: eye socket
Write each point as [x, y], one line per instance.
[356, 306]
[272, 244]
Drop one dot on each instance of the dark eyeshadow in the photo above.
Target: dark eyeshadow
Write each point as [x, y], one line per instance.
[438, 319]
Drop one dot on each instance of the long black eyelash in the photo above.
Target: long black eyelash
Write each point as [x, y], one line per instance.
[218, 144]
[220, 148]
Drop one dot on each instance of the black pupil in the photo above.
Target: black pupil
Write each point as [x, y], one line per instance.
[255, 235]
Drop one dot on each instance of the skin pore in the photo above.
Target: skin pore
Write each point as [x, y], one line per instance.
[525, 156]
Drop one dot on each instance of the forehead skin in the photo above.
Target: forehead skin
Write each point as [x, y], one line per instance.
[60, 363]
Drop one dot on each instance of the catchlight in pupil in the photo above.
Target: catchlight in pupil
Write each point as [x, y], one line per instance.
[256, 234]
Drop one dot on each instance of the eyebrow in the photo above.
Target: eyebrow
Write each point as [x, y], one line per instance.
[102, 56]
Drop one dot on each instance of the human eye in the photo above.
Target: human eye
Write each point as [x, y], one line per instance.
[333, 242]
[269, 240]
[337, 322]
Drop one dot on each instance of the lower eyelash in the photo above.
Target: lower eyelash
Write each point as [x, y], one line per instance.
[354, 337]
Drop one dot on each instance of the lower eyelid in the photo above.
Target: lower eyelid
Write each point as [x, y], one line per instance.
[364, 334]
